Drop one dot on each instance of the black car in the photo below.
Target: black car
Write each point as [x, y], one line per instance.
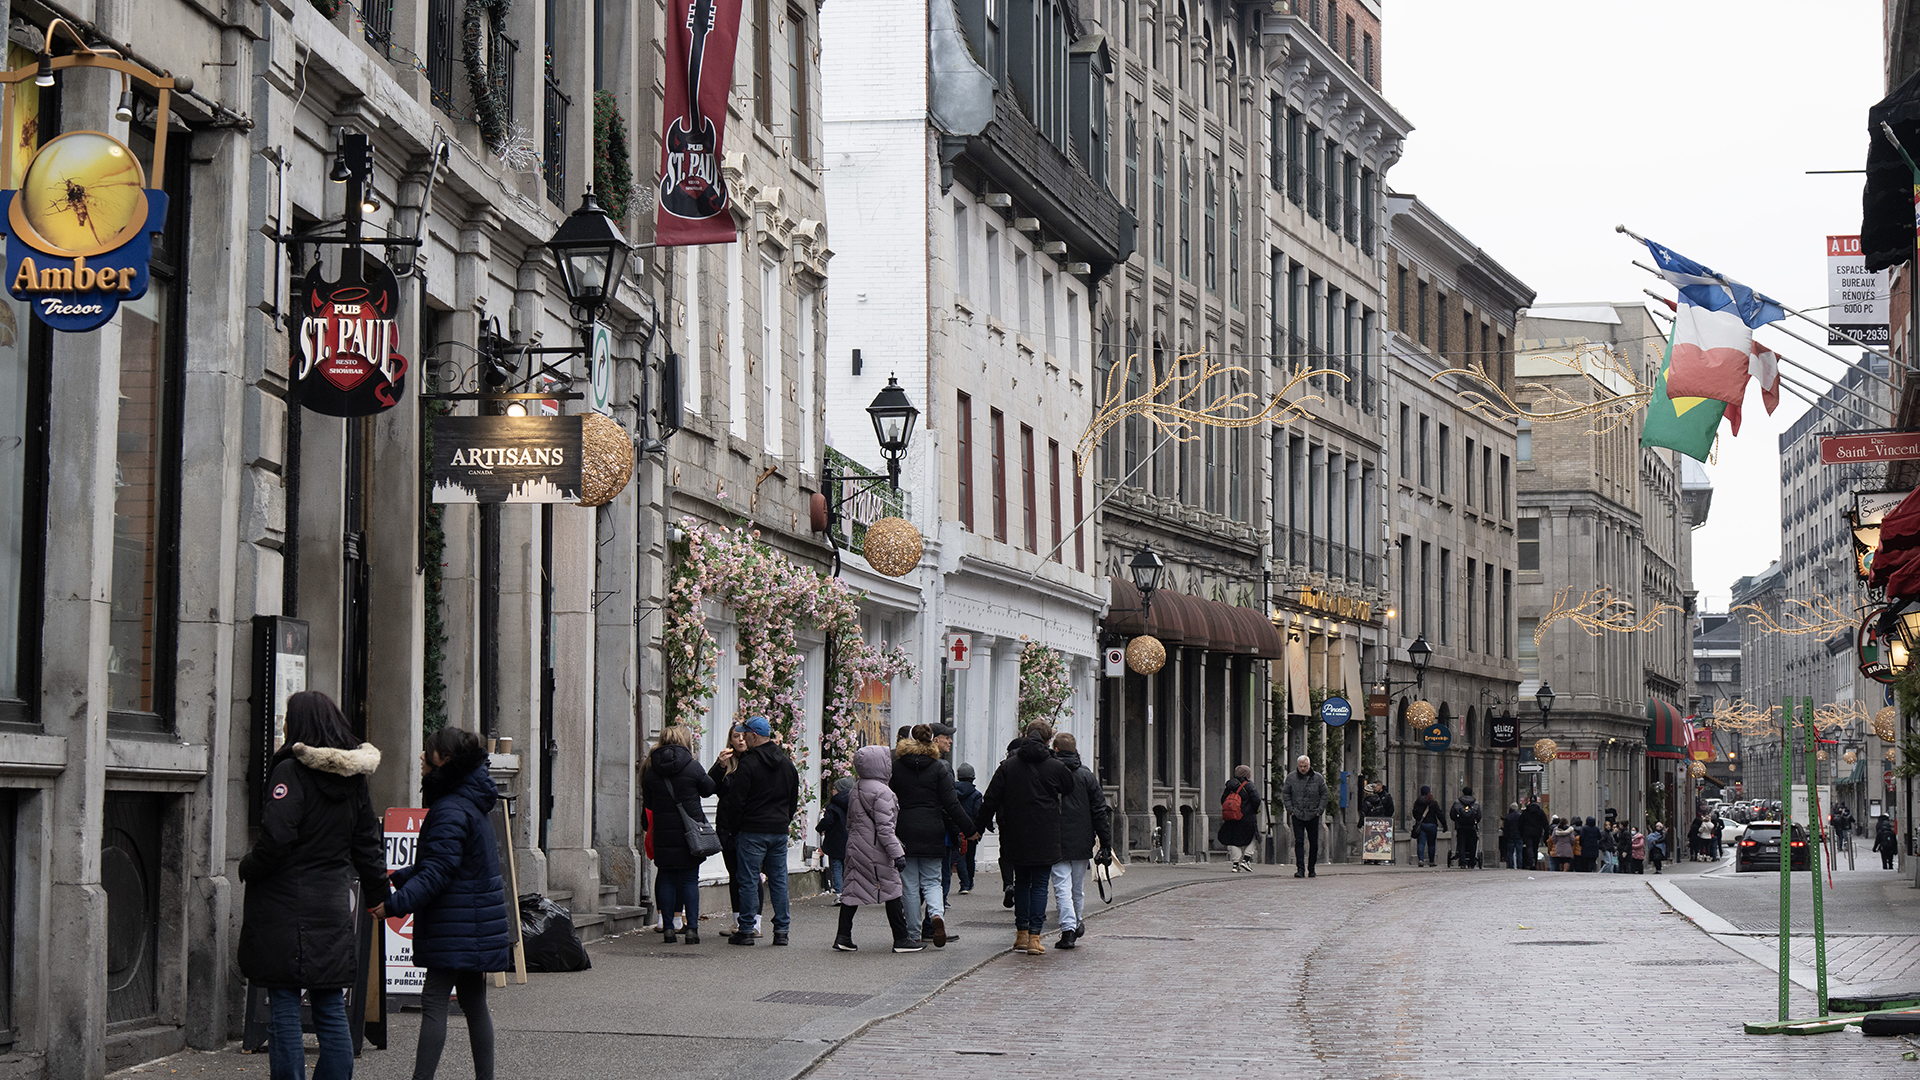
[1759, 848]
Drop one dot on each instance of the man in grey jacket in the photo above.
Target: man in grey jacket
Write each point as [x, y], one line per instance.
[1305, 797]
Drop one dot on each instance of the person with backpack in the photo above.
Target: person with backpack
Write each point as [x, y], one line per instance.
[1465, 815]
[1427, 817]
[457, 897]
[318, 835]
[1240, 819]
[1886, 841]
[965, 858]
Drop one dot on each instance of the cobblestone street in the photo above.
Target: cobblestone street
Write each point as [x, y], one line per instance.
[1364, 973]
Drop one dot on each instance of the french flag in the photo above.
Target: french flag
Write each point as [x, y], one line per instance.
[1714, 353]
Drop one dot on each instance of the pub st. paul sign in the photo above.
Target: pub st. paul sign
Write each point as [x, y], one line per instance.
[81, 221]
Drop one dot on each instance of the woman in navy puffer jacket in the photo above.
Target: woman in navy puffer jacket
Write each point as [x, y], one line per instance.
[454, 892]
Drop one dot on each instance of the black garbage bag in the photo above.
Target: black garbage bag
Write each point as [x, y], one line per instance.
[552, 944]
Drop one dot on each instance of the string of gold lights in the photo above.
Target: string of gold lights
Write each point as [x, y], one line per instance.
[1822, 615]
[1556, 405]
[1178, 403]
[1599, 611]
[1750, 719]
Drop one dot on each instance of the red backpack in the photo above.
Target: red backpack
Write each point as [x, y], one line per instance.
[1230, 809]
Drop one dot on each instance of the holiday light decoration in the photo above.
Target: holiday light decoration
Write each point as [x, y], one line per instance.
[1886, 723]
[1697, 770]
[1545, 749]
[893, 546]
[1146, 655]
[1850, 756]
[1180, 403]
[1599, 611]
[1421, 714]
[1555, 405]
[1822, 615]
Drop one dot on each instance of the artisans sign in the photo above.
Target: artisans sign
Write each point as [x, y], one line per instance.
[494, 459]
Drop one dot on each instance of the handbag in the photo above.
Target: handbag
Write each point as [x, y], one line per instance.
[702, 840]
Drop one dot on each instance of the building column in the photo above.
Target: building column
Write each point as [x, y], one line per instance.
[572, 862]
[1004, 725]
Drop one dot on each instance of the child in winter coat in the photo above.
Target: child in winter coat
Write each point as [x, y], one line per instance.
[875, 855]
[833, 833]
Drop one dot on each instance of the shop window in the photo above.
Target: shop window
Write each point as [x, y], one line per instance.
[23, 350]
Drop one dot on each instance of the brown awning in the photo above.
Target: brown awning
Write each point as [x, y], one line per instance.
[1180, 619]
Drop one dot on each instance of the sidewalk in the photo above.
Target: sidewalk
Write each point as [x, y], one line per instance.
[679, 1012]
[1872, 924]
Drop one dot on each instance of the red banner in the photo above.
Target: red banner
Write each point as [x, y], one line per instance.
[692, 207]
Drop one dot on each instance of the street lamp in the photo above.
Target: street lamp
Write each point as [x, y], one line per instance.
[1420, 653]
[592, 254]
[893, 418]
[1149, 573]
[1544, 699]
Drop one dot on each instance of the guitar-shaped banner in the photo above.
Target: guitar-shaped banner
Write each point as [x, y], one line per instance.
[693, 203]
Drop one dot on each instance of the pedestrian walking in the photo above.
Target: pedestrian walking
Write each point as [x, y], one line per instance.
[1510, 837]
[1637, 845]
[832, 828]
[1719, 828]
[928, 808]
[1886, 841]
[966, 855]
[1427, 817]
[1240, 819]
[1589, 860]
[1657, 845]
[1533, 832]
[1024, 797]
[1564, 845]
[726, 825]
[1304, 794]
[1609, 849]
[1083, 820]
[875, 856]
[672, 783]
[1465, 815]
[1842, 822]
[456, 896]
[299, 919]
[767, 788]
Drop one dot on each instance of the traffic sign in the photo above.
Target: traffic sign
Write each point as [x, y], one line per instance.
[959, 652]
[1116, 662]
[1335, 711]
[600, 370]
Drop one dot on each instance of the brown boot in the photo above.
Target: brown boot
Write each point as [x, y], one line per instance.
[1034, 945]
[1020, 941]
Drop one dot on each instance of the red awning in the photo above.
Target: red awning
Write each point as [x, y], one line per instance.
[1666, 731]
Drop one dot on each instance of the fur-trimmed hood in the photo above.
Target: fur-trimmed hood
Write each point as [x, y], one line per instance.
[914, 746]
[363, 760]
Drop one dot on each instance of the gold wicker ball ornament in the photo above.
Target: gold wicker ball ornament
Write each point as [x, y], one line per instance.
[1545, 750]
[1850, 757]
[1889, 753]
[1698, 769]
[1886, 723]
[606, 459]
[1421, 714]
[1820, 755]
[1146, 655]
[893, 546]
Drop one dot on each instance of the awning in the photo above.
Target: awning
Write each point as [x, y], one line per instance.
[1666, 731]
[1180, 619]
[1886, 219]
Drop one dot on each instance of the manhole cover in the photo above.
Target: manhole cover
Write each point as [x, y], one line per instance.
[815, 997]
[1680, 963]
[1143, 937]
[1558, 943]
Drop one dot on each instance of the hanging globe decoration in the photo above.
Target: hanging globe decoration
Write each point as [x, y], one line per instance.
[893, 546]
[1820, 755]
[1146, 655]
[1697, 770]
[1421, 714]
[1850, 756]
[1545, 750]
[1889, 753]
[606, 459]
[1886, 723]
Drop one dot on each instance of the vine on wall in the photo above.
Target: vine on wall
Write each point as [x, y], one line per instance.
[771, 598]
[1045, 687]
[612, 171]
[433, 554]
[483, 83]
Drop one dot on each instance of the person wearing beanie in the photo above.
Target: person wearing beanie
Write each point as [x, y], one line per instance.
[1465, 816]
[964, 855]
[766, 788]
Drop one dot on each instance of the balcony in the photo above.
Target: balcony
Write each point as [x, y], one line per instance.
[376, 19]
[553, 164]
[440, 53]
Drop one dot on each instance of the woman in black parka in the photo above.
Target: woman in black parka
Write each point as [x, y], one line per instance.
[671, 780]
[317, 836]
[456, 896]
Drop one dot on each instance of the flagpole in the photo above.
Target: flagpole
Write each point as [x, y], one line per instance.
[1851, 364]
[1724, 280]
[1788, 384]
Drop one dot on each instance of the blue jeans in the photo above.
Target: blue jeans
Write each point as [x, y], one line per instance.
[1030, 897]
[674, 889]
[287, 1055]
[762, 853]
[1425, 841]
[920, 884]
[837, 873]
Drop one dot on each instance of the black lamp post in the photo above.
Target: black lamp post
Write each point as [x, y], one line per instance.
[893, 419]
[1149, 573]
[1420, 654]
[1544, 699]
[592, 254]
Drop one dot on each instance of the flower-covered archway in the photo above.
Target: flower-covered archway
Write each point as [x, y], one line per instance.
[772, 598]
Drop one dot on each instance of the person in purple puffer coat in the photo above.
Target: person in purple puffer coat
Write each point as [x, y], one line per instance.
[875, 855]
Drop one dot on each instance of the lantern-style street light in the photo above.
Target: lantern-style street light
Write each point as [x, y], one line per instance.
[893, 418]
[592, 254]
[1544, 699]
[1149, 573]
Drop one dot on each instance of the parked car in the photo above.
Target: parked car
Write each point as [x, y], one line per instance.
[1759, 848]
[1731, 830]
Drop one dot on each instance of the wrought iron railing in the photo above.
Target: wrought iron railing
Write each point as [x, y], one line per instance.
[553, 166]
[503, 56]
[440, 53]
[376, 18]
[873, 502]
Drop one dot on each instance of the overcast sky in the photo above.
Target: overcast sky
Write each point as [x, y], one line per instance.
[1539, 126]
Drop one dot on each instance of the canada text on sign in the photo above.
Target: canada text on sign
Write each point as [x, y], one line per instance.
[1889, 446]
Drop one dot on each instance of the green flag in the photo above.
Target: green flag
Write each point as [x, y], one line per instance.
[1687, 424]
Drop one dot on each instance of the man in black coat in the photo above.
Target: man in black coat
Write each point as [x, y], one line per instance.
[1465, 815]
[1083, 818]
[1510, 837]
[929, 808]
[766, 789]
[1533, 829]
[1024, 796]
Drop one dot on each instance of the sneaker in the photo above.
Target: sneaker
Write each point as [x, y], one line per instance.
[779, 937]
[738, 938]
[964, 891]
[905, 946]
[1067, 938]
[845, 945]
